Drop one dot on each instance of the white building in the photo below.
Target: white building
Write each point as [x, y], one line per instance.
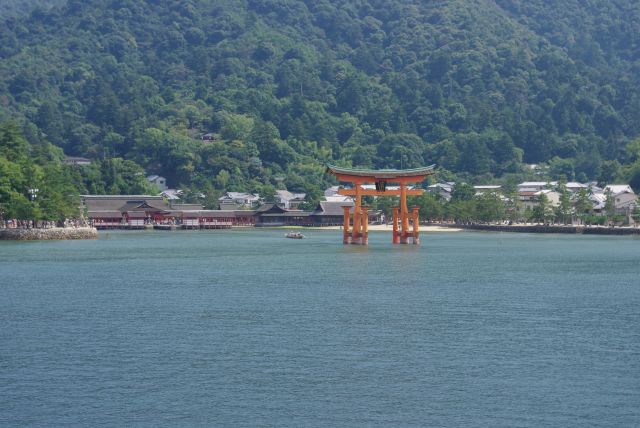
[535, 186]
[331, 191]
[171, 194]
[574, 186]
[443, 189]
[481, 190]
[625, 199]
[75, 160]
[530, 199]
[288, 200]
[160, 182]
[237, 200]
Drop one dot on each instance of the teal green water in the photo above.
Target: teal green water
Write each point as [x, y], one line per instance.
[246, 328]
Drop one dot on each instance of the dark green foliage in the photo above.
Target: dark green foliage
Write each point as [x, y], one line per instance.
[12, 8]
[31, 186]
[477, 88]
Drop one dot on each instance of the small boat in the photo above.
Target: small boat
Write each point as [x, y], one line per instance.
[295, 235]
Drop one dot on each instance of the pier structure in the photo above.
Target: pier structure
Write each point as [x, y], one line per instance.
[355, 224]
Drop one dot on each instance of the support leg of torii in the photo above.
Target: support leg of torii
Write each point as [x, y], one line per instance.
[404, 214]
[396, 234]
[416, 225]
[356, 234]
[365, 226]
[345, 227]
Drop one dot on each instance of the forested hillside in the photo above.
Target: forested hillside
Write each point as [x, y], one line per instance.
[477, 87]
[13, 8]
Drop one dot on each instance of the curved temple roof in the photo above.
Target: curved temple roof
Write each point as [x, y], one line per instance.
[383, 174]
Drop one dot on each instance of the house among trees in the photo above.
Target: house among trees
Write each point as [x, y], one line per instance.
[552, 198]
[288, 200]
[159, 181]
[574, 187]
[443, 189]
[331, 191]
[211, 137]
[75, 160]
[171, 195]
[534, 186]
[481, 190]
[625, 199]
[612, 200]
[238, 200]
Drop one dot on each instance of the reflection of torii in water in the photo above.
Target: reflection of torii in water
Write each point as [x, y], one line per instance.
[359, 232]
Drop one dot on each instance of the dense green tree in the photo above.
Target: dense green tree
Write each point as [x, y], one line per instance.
[462, 211]
[563, 212]
[490, 207]
[583, 205]
[542, 212]
[432, 207]
[609, 204]
[33, 188]
[462, 192]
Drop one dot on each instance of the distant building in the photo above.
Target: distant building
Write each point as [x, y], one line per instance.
[207, 219]
[211, 137]
[598, 201]
[618, 189]
[480, 190]
[270, 215]
[187, 207]
[331, 191]
[71, 160]
[288, 200]
[531, 198]
[158, 181]
[624, 198]
[534, 186]
[443, 189]
[133, 211]
[237, 200]
[338, 198]
[171, 194]
[574, 187]
[331, 213]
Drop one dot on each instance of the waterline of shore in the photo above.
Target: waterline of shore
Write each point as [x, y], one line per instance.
[55, 233]
[389, 228]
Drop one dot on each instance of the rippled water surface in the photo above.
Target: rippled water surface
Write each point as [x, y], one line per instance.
[246, 328]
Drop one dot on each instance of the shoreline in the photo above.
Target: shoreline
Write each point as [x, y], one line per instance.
[54, 233]
[562, 229]
[76, 233]
[389, 228]
[514, 228]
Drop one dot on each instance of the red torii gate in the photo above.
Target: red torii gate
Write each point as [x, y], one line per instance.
[359, 232]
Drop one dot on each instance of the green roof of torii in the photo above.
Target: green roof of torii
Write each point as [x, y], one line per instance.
[381, 173]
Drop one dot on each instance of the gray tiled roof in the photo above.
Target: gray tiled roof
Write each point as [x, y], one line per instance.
[288, 214]
[332, 208]
[115, 202]
[208, 213]
[105, 214]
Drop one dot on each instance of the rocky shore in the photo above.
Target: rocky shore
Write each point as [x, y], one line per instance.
[55, 233]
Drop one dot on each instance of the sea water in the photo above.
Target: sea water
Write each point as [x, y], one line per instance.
[247, 328]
